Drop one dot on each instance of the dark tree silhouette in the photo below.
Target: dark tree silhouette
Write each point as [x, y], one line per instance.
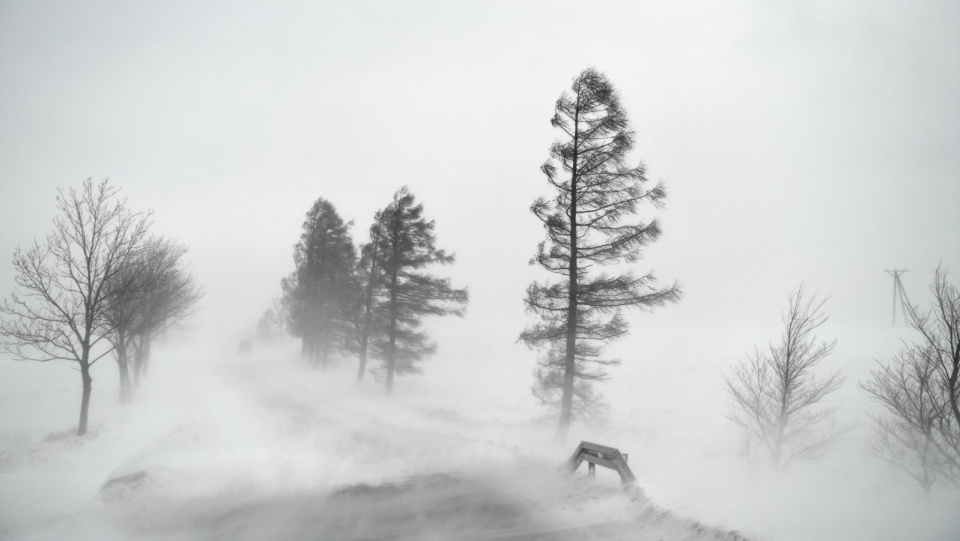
[269, 325]
[919, 389]
[57, 311]
[161, 294]
[122, 318]
[405, 245]
[776, 395]
[906, 434]
[591, 221]
[369, 283]
[319, 294]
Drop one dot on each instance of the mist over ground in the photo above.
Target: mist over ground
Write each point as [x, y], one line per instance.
[815, 143]
[217, 434]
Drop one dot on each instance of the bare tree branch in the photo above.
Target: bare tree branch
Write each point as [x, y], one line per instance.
[58, 309]
[776, 394]
[919, 389]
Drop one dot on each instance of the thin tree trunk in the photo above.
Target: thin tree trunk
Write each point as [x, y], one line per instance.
[391, 349]
[785, 389]
[137, 363]
[364, 340]
[927, 480]
[124, 382]
[363, 356]
[146, 354]
[320, 355]
[319, 352]
[123, 365]
[365, 331]
[953, 388]
[569, 363]
[85, 401]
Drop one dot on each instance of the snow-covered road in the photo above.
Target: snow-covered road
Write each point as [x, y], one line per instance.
[262, 447]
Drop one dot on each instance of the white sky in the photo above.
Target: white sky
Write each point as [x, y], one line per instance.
[815, 140]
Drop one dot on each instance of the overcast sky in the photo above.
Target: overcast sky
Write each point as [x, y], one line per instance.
[815, 141]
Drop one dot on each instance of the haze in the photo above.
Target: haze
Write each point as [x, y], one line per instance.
[814, 142]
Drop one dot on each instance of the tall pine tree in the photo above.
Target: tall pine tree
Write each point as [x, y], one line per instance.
[369, 281]
[591, 221]
[319, 293]
[403, 248]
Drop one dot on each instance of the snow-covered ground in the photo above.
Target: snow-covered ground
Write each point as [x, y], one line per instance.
[262, 446]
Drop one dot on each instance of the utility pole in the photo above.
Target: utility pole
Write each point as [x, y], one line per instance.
[899, 292]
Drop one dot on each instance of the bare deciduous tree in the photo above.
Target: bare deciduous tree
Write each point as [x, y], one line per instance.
[122, 317]
[153, 292]
[168, 297]
[919, 389]
[776, 395]
[62, 295]
[905, 435]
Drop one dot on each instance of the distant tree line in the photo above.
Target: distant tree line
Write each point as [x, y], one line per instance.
[368, 300]
[98, 284]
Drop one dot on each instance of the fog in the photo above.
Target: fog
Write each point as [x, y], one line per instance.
[814, 142]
